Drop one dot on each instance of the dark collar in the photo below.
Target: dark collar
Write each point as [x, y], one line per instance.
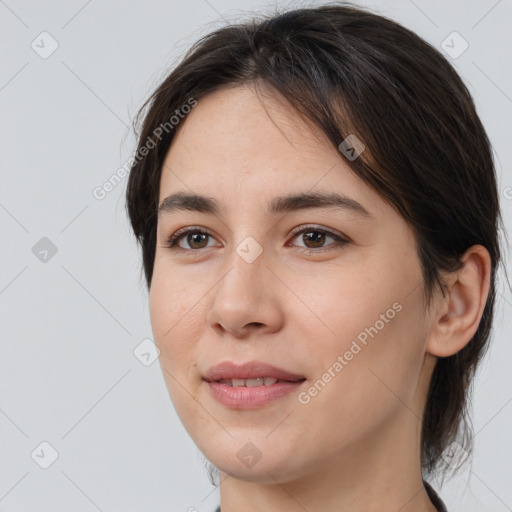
[434, 498]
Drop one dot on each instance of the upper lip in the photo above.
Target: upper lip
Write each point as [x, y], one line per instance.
[250, 370]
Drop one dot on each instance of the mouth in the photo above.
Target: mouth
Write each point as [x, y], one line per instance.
[253, 373]
[250, 385]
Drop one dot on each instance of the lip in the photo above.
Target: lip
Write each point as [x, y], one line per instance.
[250, 370]
[250, 397]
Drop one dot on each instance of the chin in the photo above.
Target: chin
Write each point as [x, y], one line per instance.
[267, 474]
[267, 469]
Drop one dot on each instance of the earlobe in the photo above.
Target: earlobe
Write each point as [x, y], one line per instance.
[460, 311]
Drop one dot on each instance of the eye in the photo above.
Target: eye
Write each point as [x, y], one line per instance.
[314, 238]
[192, 235]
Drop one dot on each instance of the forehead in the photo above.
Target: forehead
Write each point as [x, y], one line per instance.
[239, 142]
[231, 123]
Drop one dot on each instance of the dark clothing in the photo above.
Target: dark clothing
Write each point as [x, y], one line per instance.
[434, 498]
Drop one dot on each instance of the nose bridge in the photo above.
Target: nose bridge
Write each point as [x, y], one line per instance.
[250, 251]
[246, 276]
[245, 294]
[248, 235]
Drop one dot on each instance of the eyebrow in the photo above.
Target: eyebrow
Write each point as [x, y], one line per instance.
[282, 204]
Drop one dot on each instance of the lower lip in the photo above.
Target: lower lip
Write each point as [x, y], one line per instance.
[251, 397]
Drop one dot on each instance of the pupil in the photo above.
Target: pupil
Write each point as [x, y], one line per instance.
[317, 241]
[191, 237]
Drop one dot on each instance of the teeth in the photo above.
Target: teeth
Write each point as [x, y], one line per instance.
[250, 383]
[260, 381]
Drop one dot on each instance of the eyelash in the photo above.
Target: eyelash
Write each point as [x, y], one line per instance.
[174, 239]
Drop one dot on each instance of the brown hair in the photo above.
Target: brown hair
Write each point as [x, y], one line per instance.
[349, 71]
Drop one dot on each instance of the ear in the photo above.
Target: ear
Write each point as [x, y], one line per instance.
[459, 312]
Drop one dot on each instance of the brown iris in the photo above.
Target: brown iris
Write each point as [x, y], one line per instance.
[317, 240]
[198, 237]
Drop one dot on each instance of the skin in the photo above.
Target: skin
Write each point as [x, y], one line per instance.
[356, 444]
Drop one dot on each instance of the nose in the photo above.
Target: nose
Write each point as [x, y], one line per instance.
[246, 300]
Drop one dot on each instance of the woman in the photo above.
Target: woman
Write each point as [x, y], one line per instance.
[315, 199]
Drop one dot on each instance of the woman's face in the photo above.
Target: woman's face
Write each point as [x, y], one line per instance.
[346, 317]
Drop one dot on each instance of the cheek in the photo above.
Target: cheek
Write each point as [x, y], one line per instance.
[344, 300]
[358, 386]
[176, 328]
[174, 310]
[371, 319]
[172, 298]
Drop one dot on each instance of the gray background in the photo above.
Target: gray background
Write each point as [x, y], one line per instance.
[70, 321]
